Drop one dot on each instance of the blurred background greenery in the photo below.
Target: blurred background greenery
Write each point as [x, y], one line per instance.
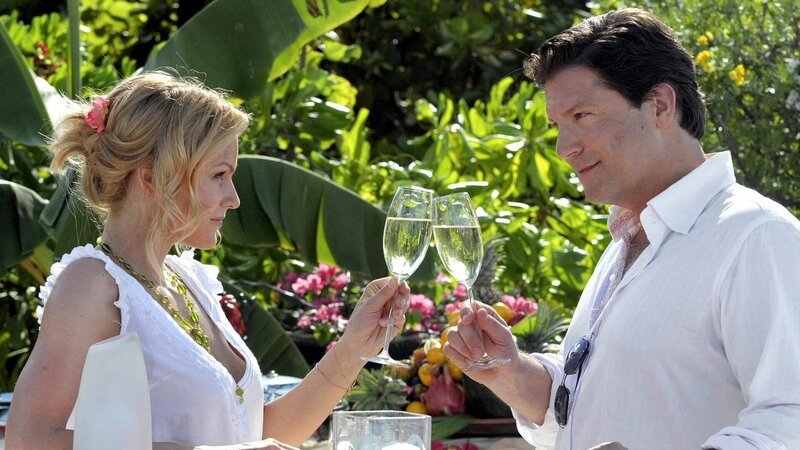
[361, 97]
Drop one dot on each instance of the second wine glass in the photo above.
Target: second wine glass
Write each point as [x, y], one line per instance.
[406, 238]
[460, 246]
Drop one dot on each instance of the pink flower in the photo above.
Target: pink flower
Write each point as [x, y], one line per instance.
[315, 284]
[452, 307]
[326, 272]
[304, 322]
[233, 313]
[460, 292]
[96, 117]
[423, 304]
[442, 279]
[300, 286]
[340, 281]
[520, 305]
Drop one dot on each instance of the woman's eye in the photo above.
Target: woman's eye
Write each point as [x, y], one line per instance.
[219, 175]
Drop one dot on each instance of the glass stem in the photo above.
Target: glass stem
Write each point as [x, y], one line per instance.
[470, 298]
[389, 326]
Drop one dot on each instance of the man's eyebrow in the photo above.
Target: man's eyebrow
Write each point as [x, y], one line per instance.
[570, 110]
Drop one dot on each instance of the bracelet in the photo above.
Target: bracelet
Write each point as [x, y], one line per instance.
[347, 389]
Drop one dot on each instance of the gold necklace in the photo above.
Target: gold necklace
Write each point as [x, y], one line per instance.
[191, 324]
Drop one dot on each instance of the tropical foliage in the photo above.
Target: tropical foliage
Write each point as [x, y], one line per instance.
[748, 61]
[351, 99]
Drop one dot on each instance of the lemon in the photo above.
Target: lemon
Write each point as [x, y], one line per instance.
[435, 355]
[444, 334]
[455, 371]
[504, 311]
[417, 407]
[453, 317]
[425, 375]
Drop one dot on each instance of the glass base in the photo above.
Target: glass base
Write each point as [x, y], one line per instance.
[385, 359]
[487, 362]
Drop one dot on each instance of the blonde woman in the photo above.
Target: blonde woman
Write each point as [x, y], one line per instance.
[156, 158]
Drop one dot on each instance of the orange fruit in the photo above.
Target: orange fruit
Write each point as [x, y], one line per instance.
[435, 355]
[417, 407]
[504, 311]
[425, 375]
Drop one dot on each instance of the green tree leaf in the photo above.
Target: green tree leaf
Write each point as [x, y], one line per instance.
[318, 217]
[271, 346]
[23, 116]
[240, 44]
[19, 225]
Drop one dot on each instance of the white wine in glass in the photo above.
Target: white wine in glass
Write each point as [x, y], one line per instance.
[406, 238]
[460, 246]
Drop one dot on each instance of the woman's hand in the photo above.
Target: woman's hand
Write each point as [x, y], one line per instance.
[367, 325]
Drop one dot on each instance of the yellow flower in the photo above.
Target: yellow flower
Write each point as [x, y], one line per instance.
[703, 57]
[702, 40]
[708, 67]
[737, 75]
[709, 35]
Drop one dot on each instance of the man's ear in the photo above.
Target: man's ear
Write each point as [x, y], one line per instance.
[143, 177]
[666, 105]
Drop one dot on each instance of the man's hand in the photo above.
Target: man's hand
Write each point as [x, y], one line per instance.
[478, 332]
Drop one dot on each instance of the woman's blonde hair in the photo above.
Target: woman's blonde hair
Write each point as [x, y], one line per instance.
[157, 121]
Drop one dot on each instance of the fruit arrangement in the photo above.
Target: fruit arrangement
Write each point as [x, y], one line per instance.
[434, 383]
[438, 445]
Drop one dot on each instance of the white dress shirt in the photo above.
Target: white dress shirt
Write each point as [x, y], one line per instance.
[699, 347]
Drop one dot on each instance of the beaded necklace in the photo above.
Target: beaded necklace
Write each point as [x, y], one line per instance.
[190, 324]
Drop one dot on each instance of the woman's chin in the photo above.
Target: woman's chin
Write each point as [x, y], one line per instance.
[201, 244]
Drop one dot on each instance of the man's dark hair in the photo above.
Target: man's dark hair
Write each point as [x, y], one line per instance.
[632, 51]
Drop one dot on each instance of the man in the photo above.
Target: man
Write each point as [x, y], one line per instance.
[687, 334]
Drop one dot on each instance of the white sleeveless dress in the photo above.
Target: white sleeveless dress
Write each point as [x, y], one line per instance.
[192, 396]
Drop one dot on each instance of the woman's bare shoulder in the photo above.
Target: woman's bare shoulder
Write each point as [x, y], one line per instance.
[84, 292]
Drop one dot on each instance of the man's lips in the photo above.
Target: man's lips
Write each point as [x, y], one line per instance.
[585, 169]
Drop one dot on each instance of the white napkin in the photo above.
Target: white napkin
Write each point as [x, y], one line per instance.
[113, 405]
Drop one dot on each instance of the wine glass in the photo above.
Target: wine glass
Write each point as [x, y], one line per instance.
[406, 238]
[460, 247]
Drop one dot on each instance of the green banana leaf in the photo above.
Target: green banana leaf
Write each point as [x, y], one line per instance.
[19, 224]
[284, 203]
[23, 116]
[319, 17]
[239, 44]
[67, 219]
[271, 346]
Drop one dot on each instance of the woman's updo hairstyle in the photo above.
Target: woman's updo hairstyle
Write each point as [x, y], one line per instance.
[153, 120]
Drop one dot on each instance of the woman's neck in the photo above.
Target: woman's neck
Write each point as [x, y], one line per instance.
[127, 238]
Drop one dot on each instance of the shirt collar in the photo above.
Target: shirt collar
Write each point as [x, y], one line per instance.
[681, 204]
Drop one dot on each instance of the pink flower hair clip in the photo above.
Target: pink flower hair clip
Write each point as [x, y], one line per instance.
[96, 117]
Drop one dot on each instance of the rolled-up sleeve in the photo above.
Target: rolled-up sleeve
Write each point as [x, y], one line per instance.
[543, 436]
[759, 326]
